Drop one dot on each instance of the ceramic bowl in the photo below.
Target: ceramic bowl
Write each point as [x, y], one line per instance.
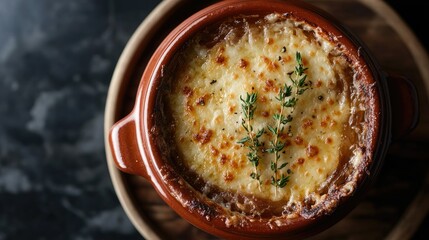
[135, 150]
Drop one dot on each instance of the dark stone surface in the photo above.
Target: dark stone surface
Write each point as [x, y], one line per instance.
[56, 61]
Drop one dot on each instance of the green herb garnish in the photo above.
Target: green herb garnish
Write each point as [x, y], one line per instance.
[276, 146]
[286, 100]
[287, 97]
[252, 142]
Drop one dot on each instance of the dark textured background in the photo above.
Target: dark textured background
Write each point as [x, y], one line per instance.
[56, 61]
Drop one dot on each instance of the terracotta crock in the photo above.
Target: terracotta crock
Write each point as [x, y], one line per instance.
[135, 151]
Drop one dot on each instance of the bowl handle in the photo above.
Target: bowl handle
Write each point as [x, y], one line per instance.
[125, 146]
[405, 105]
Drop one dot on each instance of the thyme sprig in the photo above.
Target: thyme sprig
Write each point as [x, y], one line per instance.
[276, 145]
[288, 97]
[299, 82]
[252, 141]
[287, 100]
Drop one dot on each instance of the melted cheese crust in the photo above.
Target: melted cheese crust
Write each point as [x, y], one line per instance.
[203, 97]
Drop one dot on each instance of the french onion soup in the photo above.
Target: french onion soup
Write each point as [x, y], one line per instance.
[265, 117]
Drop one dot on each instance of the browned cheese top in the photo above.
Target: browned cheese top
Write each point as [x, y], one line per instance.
[256, 54]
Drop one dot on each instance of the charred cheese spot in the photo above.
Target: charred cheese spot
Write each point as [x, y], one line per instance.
[220, 59]
[243, 63]
[270, 65]
[307, 123]
[224, 159]
[189, 108]
[203, 136]
[283, 136]
[187, 91]
[312, 151]
[228, 177]
[269, 41]
[270, 86]
[265, 114]
[214, 151]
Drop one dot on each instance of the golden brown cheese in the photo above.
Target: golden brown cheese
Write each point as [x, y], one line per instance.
[255, 54]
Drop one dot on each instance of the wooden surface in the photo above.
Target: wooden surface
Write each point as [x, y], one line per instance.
[395, 205]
